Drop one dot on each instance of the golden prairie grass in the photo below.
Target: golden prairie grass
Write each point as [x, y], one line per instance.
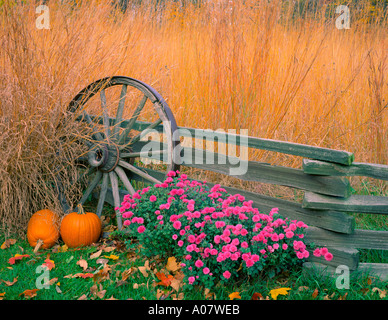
[223, 65]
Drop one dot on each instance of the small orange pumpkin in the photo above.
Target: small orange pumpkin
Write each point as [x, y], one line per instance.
[43, 229]
[80, 228]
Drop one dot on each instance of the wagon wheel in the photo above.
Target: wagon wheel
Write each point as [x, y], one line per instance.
[121, 114]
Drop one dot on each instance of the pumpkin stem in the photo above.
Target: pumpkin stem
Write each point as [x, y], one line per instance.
[38, 245]
[80, 209]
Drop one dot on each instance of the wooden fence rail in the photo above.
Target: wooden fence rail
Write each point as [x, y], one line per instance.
[327, 199]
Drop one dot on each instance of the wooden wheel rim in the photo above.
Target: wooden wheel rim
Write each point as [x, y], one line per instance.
[105, 156]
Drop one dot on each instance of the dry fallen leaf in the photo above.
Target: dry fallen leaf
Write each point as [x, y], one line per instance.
[10, 283]
[52, 281]
[29, 293]
[102, 274]
[176, 284]
[163, 294]
[112, 257]
[83, 264]
[180, 296]
[382, 293]
[2, 294]
[275, 292]
[80, 275]
[126, 273]
[209, 295]
[172, 265]
[83, 297]
[257, 296]
[57, 289]
[144, 269]
[63, 248]
[97, 291]
[234, 295]
[96, 254]
[7, 243]
[102, 261]
[49, 264]
[159, 293]
[315, 293]
[164, 280]
[17, 257]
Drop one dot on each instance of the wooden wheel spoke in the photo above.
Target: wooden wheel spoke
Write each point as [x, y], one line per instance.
[105, 116]
[96, 135]
[123, 177]
[133, 119]
[91, 187]
[119, 114]
[104, 189]
[144, 154]
[116, 196]
[145, 131]
[85, 174]
[138, 171]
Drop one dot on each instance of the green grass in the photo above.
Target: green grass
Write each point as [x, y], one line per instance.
[302, 286]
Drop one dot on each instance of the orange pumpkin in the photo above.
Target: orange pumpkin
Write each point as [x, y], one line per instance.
[80, 228]
[43, 229]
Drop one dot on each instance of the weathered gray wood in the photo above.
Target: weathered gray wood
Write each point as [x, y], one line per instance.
[290, 177]
[145, 131]
[319, 153]
[146, 154]
[119, 113]
[378, 270]
[302, 150]
[252, 170]
[116, 197]
[102, 195]
[129, 123]
[158, 175]
[138, 171]
[91, 187]
[355, 203]
[341, 256]
[359, 239]
[123, 177]
[331, 220]
[105, 115]
[110, 199]
[377, 171]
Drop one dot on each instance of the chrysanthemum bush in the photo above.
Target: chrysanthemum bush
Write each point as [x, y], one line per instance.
[216, 236]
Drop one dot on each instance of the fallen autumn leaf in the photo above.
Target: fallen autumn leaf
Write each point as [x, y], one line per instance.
[29, 293]
[275, 292]
[7, 243]
[234, 295]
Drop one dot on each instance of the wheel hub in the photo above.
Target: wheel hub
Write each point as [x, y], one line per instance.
[104, 157]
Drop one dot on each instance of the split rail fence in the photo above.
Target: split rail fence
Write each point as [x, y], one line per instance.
[327, 201]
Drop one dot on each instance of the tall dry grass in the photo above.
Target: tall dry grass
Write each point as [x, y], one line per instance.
[243, 65]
